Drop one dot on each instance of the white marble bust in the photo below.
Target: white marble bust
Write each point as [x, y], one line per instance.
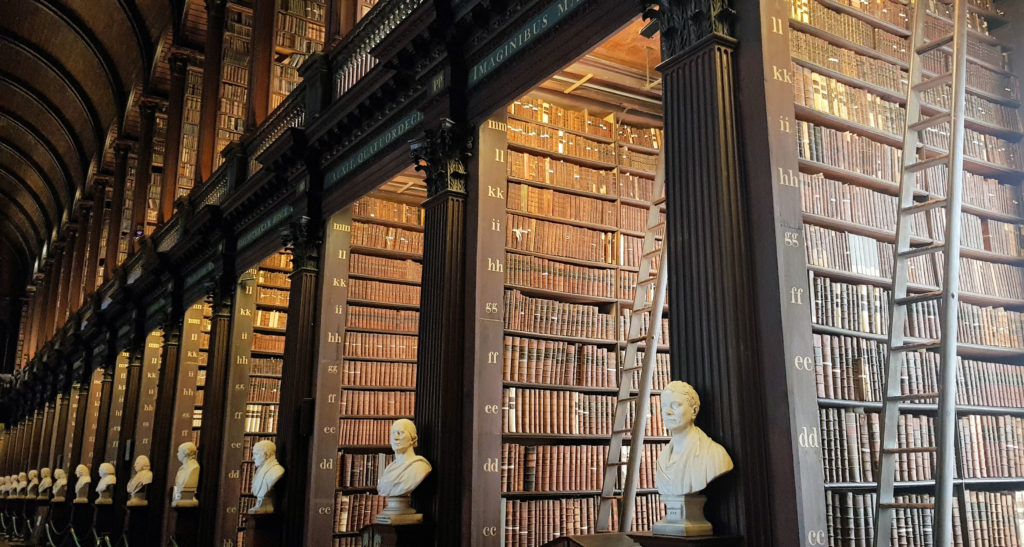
[60, 484]
[268, 472]
[22, 484]
[402, 476]
[5, 486]
[105, 486]
[187, 477]
[82, 485]
[45, 483]
[137, 484]
[33, 484]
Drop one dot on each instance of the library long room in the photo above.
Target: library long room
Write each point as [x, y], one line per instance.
[395, 273]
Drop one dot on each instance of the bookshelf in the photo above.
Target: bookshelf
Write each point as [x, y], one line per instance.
[849, 84]
[92, 418]
[152, 360]
[234, 77]
[156, 172]
[195, 346]
[188, 153]
[117, 405]
[380, 288]
[299, 31]
[124, 242]
[577, 190]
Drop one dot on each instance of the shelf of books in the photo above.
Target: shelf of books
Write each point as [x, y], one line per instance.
[92, 417]
[101, 255]
[378, 366]
[156, 172]
[124, 243]
[117, 404]
[188, 152]
[195, 347]
[152, 360]
[262, 393]
[299, 31]
[850, 77]
[578, 192]
[234, 86]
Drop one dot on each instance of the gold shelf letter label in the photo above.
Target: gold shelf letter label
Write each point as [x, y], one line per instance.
[803, 363]
[796, 295]
[495, 192]
[816, 537]
[495, 265]
[777, 25]
[781, 75]
[492, 357]
[788, 178]
[808, 437]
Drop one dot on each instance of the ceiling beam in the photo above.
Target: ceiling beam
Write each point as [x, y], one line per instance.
[93, 43]
[17, 152]
[18, 254]
[47, 219]
[142, 40]
[44, 102]
[65, 76]
[33, 223]
[43, 141]
[28, 251]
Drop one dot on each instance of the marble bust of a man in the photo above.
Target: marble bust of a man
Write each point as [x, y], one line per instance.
[691, 459]
[33, 484]
[268, 472]
[45, 483]
[60, 484]
[5, 486]
[82, 485]
[187, 477]
[104, 488]
[136, 486]
[408, 470]
[22, 484]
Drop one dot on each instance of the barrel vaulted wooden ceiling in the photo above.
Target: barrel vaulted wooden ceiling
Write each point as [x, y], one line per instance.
[69, 69]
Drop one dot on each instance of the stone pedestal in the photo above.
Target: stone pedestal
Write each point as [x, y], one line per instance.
[684, 517]
[39, 522]
[106, 522]
[186, 526]
[82, 517]
[135, 528]
[647, 539]
[398, 512]
[387, 535]
[263, 529]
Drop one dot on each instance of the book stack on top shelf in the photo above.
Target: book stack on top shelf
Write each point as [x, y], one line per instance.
[578, 194]
[156, 172]
[188, 152]
[380, 348]
[234, 78]
[299, 31]
[850, 84]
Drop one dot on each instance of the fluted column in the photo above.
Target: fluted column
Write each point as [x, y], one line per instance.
[143, 168]
[172, 144]
[211, 88]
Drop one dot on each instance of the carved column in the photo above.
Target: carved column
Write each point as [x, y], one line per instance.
[297, 387]
[103, 420]
[211, 88]
[441, 155]
[121, 150]
[67, 268]
[28, 348]
[46, 441]
[129, 419]
[81, 410]
[60, 458]
[262, 62]
[78, 261]
[172, 144]
[99, 202]
[160, 462]
[143, 168]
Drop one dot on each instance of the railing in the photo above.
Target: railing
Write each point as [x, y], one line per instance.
[290, 113]
[354, 60]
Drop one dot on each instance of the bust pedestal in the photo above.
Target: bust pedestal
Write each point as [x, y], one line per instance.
[82, 516]
[138, 499]
[135, 528]
[106, 520]
[387, 535]
[186, 525]
[263, 529]
[398, 512]
[684, 516]
[42, 514]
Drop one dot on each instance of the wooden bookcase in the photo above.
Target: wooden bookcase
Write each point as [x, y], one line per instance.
[188, 153]
[124, 224]
[849, 77]
[156, 172]
[117, 405]
[234, 77]
[152, 360]
[298, 31]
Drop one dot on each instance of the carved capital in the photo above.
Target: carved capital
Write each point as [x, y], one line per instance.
[178, 63]
[442, 156]
[303, 239]
[683, 23]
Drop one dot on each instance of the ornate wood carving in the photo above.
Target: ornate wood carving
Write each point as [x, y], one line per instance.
[684, 23]
[441, 156]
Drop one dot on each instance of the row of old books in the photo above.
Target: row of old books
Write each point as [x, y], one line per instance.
[549, 412]
[544, 316]
[649, 137]
[851, 441]
[386, 237]
[662, 372]
[542, 468]
[626, 315]
[817, 51]
[384, 209]
[385, 268]
[859, 254]
[850, 28]
[532, 108]
[380, 346]
[536, 361]
[299, 34]
[550, 139]
[637, 160]
[275, 279]
[376, 403]
[250, 441]
[554, 238]
[260, 418]
[848, 151]
[982, 234]
[353, 511]
[269, 366]
[992, 446]
[935, 28]
[977, 145]
[264, 390]
[268, 343]
[545, 201]
[364, 317]
[363, 432]
[391, 293]
[560, 173]
[273, 319]
[378, 373]
[271, 297]
[541, 273]
[532, 523]
[991, 520]
[361, 470]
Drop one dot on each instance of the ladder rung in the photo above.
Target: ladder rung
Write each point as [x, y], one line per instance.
[909, 450]
[648, 281]
[941, 117]
[652, 254]
[923, 206]
[935, 44]
[918, 346]
[627, 398]
[932, 83]
[656, 227]
[899, 398]
[611, 497]
[927, 164]
[631, 369]
[619, 464]
[922, 250]
[658, 201]
[899, 505]
[637, 339]
[919, 297]
[644, 309]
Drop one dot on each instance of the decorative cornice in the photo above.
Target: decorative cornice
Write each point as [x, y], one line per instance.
[303, 239]
[442, 156]
[684, 23]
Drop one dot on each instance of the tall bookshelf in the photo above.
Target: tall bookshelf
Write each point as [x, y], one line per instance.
[195, 347]
[234, 78]
[189, 151]
[156, 172]
[378, 372]
[850, 77]
[105, 227]
[299, 31]
[117, 404]
[124, 242]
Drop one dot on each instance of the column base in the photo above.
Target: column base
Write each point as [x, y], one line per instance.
[136, 526]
